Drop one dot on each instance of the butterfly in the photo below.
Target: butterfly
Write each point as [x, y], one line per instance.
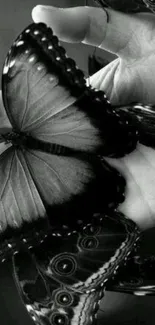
[58, 195]
[59, 126]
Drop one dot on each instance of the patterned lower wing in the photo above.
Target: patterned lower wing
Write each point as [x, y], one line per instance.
[62, 281]
[48, 302]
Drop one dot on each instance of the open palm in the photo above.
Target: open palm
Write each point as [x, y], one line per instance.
[128, 78]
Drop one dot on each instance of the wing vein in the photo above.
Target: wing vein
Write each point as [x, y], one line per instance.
[68, 132]
[46, 116]
[27, 99]
[7, 179]
[29, 186]
[53, 171]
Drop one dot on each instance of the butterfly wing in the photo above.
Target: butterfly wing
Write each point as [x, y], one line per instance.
[53, 102]
[46, 97]
[47, 103]
[15, 206]
[64, 279]
[49, 302]
[85, 260]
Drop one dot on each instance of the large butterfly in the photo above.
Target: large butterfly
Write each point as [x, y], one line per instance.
[53, 179]
[59, 126]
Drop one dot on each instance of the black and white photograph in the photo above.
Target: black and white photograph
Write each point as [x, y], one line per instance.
[77, 162]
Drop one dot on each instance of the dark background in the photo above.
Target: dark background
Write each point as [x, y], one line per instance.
[118, 308]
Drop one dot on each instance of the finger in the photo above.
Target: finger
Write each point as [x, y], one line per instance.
[108, 29]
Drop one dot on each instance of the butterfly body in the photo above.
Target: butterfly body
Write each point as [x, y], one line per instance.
[22, 141]
[17, 139]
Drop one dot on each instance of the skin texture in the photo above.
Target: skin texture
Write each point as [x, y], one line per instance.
[128, 78]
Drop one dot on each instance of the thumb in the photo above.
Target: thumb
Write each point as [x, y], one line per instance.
[107, 29]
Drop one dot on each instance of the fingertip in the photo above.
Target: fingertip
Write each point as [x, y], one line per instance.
[40, 12]
[68, 24]
[36, 13]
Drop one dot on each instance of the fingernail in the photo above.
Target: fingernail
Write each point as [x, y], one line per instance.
[39, 9]
[42, 7]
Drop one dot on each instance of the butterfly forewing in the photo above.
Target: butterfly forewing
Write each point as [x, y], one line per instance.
[46, 99]
[37, 98]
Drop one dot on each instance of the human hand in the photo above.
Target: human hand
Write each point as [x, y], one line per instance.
[128, 78]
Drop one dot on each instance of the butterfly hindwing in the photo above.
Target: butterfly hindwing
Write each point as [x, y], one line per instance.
[58, 178]
[84, 260]
[49, 302]
[64, 278]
